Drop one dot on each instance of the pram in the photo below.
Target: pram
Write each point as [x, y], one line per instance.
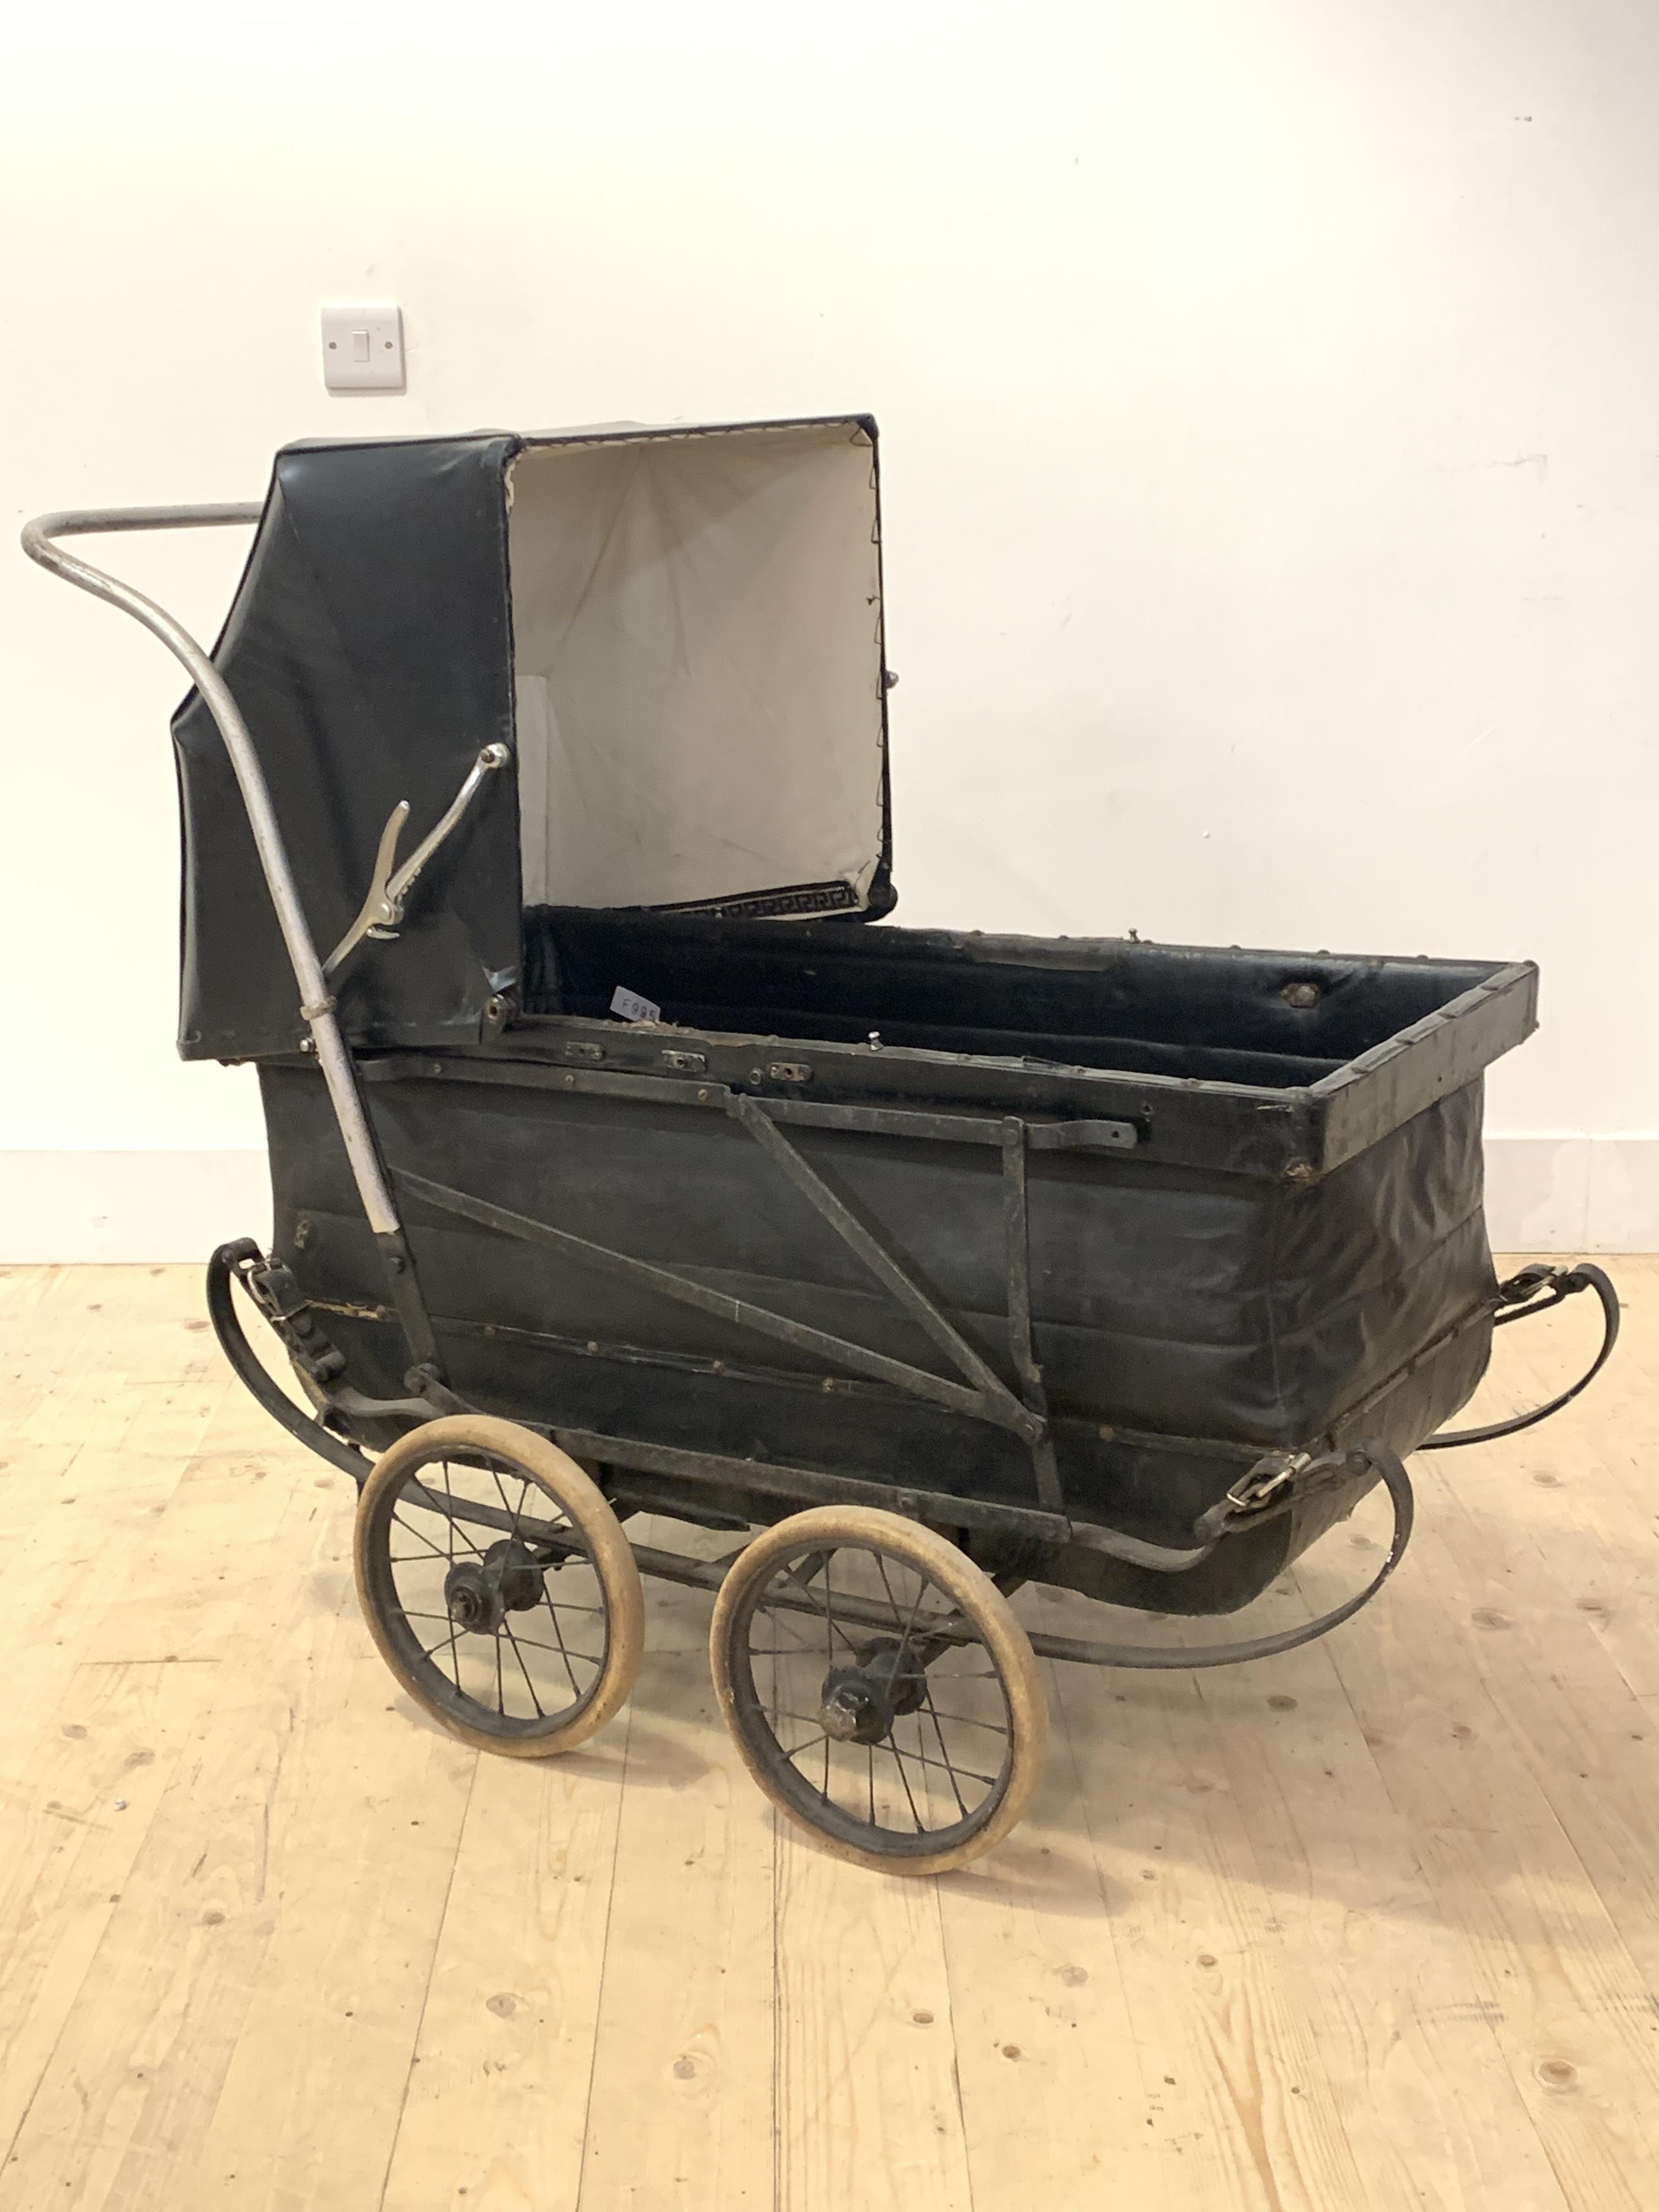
[624, 1166]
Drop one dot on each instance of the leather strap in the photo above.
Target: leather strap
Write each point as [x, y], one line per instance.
[1176, 1657]
[1534, 1291]
[228, 1262]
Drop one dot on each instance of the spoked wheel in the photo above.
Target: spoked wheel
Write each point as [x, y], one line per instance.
[499, 1585]
[880, 1688]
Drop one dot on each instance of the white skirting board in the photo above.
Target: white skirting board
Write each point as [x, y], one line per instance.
[1563, 1194]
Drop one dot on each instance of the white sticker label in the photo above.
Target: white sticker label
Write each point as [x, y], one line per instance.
[632, 1007]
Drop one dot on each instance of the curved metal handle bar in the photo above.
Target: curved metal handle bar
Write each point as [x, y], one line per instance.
[315, 1004]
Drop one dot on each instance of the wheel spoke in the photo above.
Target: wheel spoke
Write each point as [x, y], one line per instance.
[561, 1651]
[908, 1795]
[928, 1699]
[452, 1525]
[925, 1758]
[436, 1550]
[962, 1720]
[559, 1632]
[529, 1643]
[806, 1569]
[805, 1744]
[525, 1671]
[801, 1649]
[805, 1603]
[881, 1569]
[923, 1586]
[512, 1518]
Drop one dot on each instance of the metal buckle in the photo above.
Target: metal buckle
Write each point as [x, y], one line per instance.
[1258, 1489]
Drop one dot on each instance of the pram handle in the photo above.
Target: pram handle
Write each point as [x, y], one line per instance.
[316, 1005]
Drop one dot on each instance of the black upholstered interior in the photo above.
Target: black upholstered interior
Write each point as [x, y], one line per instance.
[1252, 1018]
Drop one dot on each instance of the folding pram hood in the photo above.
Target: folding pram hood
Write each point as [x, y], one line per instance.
[678, 633]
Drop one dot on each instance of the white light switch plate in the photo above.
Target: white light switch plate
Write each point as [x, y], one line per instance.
[363, 347]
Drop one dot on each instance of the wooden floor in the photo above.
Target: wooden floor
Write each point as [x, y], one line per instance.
[1374, 1924]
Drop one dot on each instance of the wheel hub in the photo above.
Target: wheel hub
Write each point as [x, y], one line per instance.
[479, 1594]
[858, 1703]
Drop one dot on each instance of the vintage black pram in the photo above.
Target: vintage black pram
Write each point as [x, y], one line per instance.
[621, 1167]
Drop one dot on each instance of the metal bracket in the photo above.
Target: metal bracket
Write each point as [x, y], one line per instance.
[382, 911]
[996, 1402]
[1016, 1237]
[274, 1291]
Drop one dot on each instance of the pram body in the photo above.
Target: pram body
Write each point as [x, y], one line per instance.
[1112, 1265]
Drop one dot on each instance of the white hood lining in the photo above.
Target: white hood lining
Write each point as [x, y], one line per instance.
[696, 625]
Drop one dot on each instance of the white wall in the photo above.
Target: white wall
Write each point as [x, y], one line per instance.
[1271, 408]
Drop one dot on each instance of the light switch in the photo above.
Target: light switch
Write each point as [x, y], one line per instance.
[363, 347]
